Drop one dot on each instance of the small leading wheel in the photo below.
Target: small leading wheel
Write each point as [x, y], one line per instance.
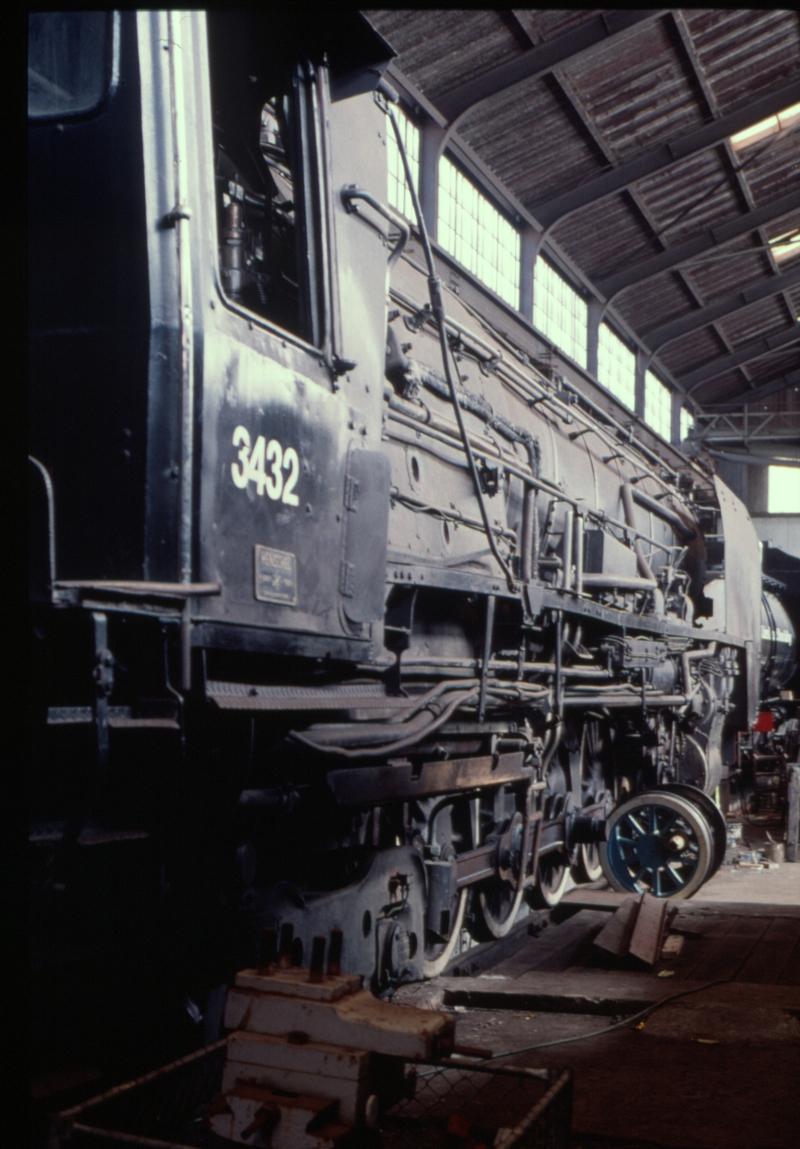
[713, 815]
[437, 955]
[553, 878]
[658, 843]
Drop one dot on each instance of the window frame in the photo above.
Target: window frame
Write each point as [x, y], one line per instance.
[110, 77]
[624, 344]
[315, 199]
[541, 260]
[478, 196]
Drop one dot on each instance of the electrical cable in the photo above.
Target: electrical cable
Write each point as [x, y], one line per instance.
[582, 1036]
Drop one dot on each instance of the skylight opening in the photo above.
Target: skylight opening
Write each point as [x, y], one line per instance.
[785, 246]
[765, 128]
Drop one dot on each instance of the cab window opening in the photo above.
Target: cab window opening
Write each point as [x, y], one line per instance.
[267, 188]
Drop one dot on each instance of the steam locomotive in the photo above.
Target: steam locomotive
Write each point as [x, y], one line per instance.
[349, 609]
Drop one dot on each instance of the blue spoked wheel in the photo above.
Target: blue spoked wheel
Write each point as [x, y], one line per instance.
[657, 843]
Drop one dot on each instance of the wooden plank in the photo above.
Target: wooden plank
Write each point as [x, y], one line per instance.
[606, 992]
[554, 947]
[725, 958]
[772, 952]
[648, 930]
[488, 954]
[616, 935]
[702, 935]
[790, 974]
[610, 900]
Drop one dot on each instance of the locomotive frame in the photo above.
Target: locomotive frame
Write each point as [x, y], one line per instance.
[409, 628]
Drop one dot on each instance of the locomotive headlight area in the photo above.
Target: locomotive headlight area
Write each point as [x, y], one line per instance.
[397, 651]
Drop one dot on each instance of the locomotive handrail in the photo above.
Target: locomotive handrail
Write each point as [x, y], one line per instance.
[145, 589]
[353, 193]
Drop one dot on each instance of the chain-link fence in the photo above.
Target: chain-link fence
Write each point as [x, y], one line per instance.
[448, 1105]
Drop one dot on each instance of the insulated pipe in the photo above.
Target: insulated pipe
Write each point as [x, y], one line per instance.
[487, 651]
[692, 656]
[527, 528]
[645, 570]
[567, 576]
[579, 554]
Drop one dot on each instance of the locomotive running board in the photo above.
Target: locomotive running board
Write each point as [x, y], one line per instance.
[241, 696]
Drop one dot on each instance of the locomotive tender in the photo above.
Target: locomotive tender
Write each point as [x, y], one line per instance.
[367, 618]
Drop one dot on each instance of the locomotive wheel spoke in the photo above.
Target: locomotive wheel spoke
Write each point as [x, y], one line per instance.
[672, 859]
[636, 825]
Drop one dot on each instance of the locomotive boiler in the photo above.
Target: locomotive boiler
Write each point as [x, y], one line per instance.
[349, 609]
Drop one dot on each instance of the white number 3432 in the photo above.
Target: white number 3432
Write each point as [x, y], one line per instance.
[265, 466]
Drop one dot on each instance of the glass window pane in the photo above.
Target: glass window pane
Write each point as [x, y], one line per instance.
[477, 234]
[559, 311]
[687, 422]
[398, 193]
[67, 62]
[657, 405]
[616, 366]
[783, 491]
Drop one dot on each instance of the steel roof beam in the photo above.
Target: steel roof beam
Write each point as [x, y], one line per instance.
[693, 379]
[726, 305]
[716, 237]
[537, 61]
[756, 394]
[665, 155]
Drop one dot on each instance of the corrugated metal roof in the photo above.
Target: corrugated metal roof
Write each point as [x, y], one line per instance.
[586, 238]
[548, 23]
[517, 130]
[690, 196]
[751, 323]
[612, 103]
[442, 49]
[737, 264]
[655, 302]
[744, 52]
[693, 350]
[636, 92]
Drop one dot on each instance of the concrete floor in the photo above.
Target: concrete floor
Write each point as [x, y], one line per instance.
[700, 1073]
[779, 887]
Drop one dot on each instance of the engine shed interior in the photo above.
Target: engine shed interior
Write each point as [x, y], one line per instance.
[414, 572]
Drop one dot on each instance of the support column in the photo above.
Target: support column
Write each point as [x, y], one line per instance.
[431, 142]
[677, 407]
[642, 359]
[757, 490]
[592, 335]
[529, 250]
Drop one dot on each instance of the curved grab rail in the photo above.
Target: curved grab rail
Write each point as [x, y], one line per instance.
[349, 194]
